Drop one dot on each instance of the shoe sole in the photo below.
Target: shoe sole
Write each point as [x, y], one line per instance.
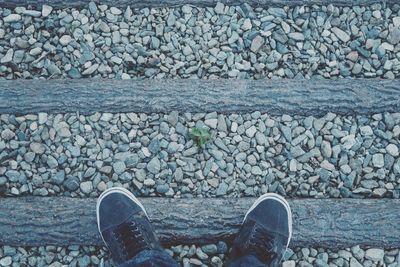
[112, 190]
[279, 199]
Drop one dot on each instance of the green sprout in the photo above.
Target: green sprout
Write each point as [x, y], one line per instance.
[200, 135]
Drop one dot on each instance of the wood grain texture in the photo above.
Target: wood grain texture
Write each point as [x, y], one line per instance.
[200, 3]
[286, 96]
[34, 221]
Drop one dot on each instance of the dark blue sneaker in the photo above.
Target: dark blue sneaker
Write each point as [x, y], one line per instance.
[124, 225]
[266, 230]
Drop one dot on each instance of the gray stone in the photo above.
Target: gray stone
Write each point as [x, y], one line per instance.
[366, 130]
[222, 189]
[394, 37]
[327, 165]
[7, 134]
[54, 69]
[277, 12]
[89, 172]
[59, 177]
[84, 261]
[212, 123]
[257, 43]
[287, 133]
[200, 254]
[221, 124]
[255, 170]
[149, 182]
[393, 150]
[358, 252]
[378, 160]
[65, 40]
[64, 132]
[115, 11]
[13, 175]
[86, 187]
[210, 249]
[162, 189]
[342, 35]
[119, 167]
[46, 10]
[92, 7]
[37, 148]
[154, 166]
[219, 8]
[374, 254]
[348, 141]
[29, 156]
[91, 69]
[250, 132]
[355, 263]
[218, 155]
[171, 19]
[9, 251]
[173, 117]
[18, 56]
[42, 118]
[6, 261]
[326, 149]
[319, 124]
[74, 150]
[74, 73]
[297, 36]
[181, 129]
[52, 162]
[72, 183]
[320, 263]
[8, 56]
[12, 18]
[290, 263]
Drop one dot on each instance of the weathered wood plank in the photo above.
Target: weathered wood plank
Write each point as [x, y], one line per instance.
[303, 97]
[163, 3]
[36, 221]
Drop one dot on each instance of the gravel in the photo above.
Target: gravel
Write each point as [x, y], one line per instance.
[195, 255]
[192, 42]
[153, 155]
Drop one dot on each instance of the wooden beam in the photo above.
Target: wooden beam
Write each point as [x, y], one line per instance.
[285, 96]
[200, 3]
[34, 221]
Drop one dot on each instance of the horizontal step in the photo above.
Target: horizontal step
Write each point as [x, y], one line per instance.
[34, 221]
[286, 96]
[161, 3]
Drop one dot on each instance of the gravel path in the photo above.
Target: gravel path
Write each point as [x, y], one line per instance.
[191, 42]
[209, 255]
[154, 155]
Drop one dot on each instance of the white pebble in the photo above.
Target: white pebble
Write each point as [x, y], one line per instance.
[46, 10]
[393, 150]
[12, 18]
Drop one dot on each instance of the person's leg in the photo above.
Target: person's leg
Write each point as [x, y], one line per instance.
[265, 233]
[127, 232]
[151, 258]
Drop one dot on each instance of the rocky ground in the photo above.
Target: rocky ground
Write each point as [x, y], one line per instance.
[154, 154]
[191, 42]
[209, 255]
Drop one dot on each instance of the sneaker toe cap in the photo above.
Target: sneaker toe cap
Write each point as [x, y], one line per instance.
[115, 208]
[272, 215]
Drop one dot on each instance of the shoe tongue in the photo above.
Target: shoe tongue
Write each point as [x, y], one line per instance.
[124, 229]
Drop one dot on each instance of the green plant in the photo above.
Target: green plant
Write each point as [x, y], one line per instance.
[200, 135]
